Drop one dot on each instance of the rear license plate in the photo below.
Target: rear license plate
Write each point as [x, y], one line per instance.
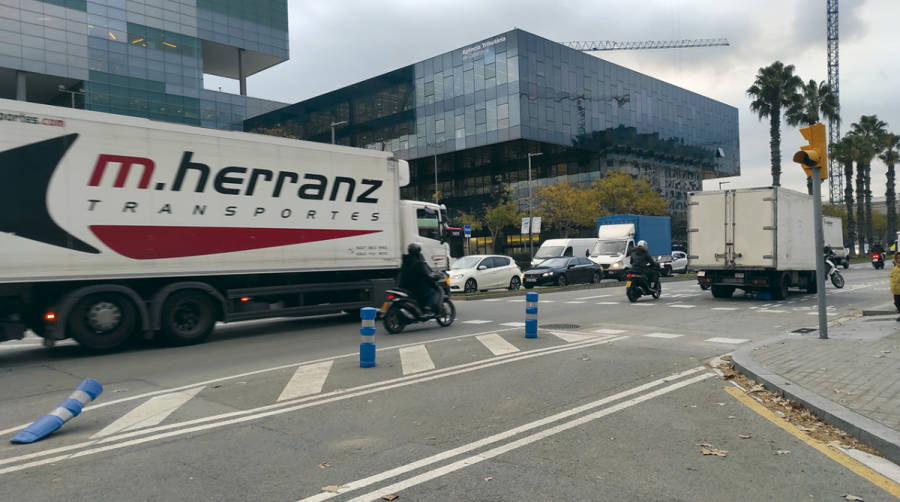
[739, 275]
[628, 284]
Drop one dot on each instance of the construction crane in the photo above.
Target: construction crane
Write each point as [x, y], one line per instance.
[611, 45]
[835, 172]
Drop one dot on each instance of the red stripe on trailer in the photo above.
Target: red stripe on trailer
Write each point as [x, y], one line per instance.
[142, 242]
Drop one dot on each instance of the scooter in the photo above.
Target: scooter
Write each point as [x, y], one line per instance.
[878, 261]
[637, 285]
[832, 273]
[401, 309]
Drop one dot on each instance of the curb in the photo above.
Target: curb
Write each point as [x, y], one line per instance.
[555, 289]
[878, 436]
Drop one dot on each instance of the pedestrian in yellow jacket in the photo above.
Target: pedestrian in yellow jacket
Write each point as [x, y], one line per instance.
[895, 282]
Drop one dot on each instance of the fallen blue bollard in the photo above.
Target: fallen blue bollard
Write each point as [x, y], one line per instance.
[86, 392]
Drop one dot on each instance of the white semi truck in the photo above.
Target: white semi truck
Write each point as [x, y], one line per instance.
[114, 226]
[754, 239]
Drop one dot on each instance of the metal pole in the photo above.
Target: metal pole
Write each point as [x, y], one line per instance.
[435, 180]
[530, 215]
[332, 134]
[820, 252]
[333, 124]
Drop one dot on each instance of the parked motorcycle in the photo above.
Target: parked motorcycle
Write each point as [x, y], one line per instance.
[402, 309]
[637, 285]
[832, 273]
[878, 260]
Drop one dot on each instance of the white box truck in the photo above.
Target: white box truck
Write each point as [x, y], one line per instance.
[754, 239]
[112, 226]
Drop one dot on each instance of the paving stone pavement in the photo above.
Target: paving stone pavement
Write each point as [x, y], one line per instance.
[851, 380]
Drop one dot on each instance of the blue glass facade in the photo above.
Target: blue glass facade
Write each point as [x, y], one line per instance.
[473, 114]
[143, 57]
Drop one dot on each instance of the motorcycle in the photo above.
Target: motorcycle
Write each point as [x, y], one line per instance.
[878, 260]
[832, 273]
[402, 309]
[637, 285]
[702, 280]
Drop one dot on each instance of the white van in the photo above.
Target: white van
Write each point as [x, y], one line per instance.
[553, 248]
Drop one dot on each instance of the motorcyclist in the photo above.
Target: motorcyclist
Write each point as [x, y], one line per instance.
[829, 256]
[415, 277]
[878, 248]
[642, 263]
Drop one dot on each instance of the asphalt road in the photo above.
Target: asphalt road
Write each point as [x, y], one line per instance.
[612, 401]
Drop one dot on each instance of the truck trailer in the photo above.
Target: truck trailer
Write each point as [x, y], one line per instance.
[753, 239]
[114, 226]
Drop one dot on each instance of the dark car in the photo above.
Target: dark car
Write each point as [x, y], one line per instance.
[562, 271]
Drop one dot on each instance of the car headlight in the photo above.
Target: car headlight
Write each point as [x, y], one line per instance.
[617, 264]
[456, 276]
[547, 274]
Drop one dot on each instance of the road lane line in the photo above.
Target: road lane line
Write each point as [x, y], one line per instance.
[733, 341]
[513, 324]
[728, 309]
[663, 335]
[525, 441]
[606, 331]
[574, 303]
[306, 380]
[250, 373]
[415, 360]
[500, 436]
[151, 413]
[497, 344]
[680, 306]
[476, 321]
[845, 460]
[608, 303]
[593, 297]
[236, 417]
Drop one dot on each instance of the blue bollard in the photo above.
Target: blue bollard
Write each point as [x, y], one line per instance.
[86, 392]
[531, 306]
[367, 335]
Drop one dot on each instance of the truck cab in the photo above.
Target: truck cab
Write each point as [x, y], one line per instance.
[611, 252]
[425, 223]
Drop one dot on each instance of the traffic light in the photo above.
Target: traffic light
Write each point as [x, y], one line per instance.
[816, 152]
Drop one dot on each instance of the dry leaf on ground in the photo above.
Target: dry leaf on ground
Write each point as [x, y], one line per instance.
[331, 488]
[847, 496]
[744, 436]
[390, 497]
[713, 451]
[324, 465]
[783, 452]
[488, 478]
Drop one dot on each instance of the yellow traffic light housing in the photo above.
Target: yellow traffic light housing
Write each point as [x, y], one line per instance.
[816, 152]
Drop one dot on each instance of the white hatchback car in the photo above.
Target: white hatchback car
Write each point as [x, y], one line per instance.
[482, 272]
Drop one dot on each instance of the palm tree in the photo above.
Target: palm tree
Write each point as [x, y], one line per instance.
[870, 132]
[889, 156]
[842, 153]
[816, 99]
[775, 88]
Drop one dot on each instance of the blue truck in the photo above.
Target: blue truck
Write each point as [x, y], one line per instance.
[617, 235]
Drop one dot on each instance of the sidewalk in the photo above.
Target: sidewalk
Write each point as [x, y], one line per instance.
[851, 380]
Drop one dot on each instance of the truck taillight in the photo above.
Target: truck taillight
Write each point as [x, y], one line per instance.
[50, 317]
[245, 298]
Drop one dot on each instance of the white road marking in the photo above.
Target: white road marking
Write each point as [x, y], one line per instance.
[497, 344]
[593, 297]
[415, 359]
[605, 331]
[494, 452]
[663, 335]
[608, 303]
[476, 321]
[513, 324]
[643, 304]
[773, 311]
[306, 380]
[516, 300]
[493, 300]
[547, 301]
[574, 303]
[243, 416]
[151, 413]
[733, 341]
[680, 306]
[571, 337]
[726, 308]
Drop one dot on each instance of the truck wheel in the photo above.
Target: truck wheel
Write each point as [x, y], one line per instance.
[722, 291]
[780, 287]
[811, 286]
[102, 321]
[188, 317]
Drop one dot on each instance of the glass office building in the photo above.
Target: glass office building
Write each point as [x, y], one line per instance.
[143, 58]
[470, 117]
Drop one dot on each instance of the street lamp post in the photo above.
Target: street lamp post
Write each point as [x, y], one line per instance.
[333, 125]
[530, 213]
[723, 183]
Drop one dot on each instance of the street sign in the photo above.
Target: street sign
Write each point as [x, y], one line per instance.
[535, 227]
[467, 229]
[525, 225]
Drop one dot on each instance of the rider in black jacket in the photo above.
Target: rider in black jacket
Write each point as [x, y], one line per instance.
[644, 264]
[415, 277]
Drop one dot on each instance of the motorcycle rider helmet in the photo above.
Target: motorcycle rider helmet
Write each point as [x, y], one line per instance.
[414, 249]
[642, 244]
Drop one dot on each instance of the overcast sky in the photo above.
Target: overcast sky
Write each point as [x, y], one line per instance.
[337, 43]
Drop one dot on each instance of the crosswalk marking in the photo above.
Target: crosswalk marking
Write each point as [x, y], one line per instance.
[571, 337]
[415, 359]
[726, 308]
[605, 331]
[476, 321]
[513, 324]
[493, 300]
[663, 335]
[574, 303]
[307, 380]
[151, 413]
[608, 303]
[733, 341]
[643, 304]
[772, 311]
[680, 306]
[497, 344]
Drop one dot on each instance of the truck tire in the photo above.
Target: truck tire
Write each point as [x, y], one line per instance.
[188, 317]
[780, 286]
[722, 291]
[103, 321]
[811, 286]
